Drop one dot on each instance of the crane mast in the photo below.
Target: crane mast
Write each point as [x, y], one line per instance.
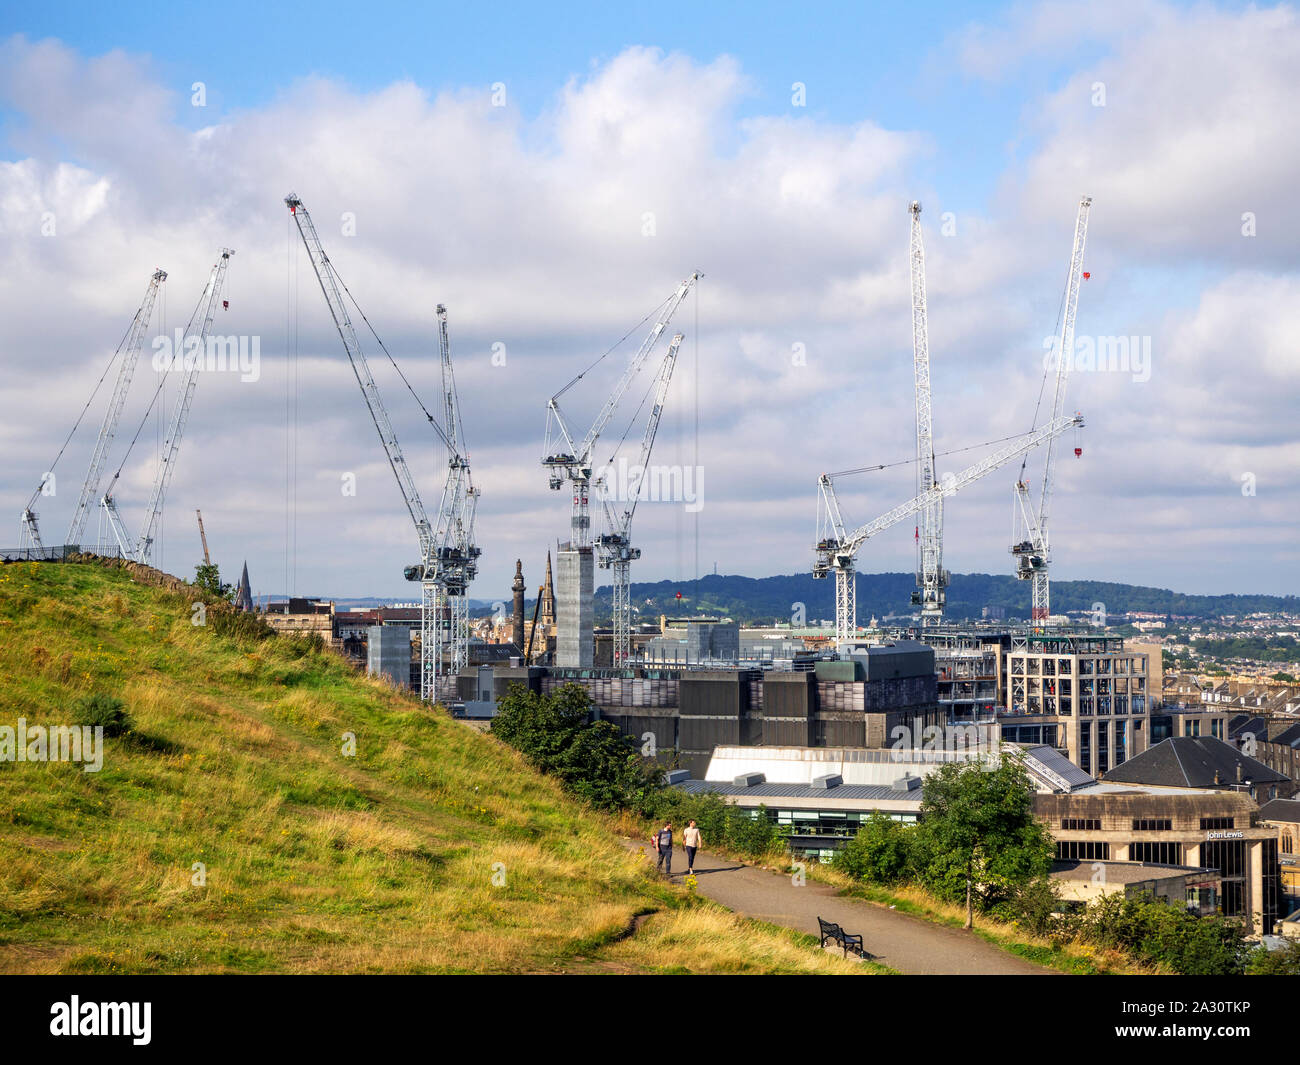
[447, 554]
[108, 427]
[445, 611]
[837, 548]
[614, 550]
[567, 460]
[931, 578]
[190, 358]
[1032, 547]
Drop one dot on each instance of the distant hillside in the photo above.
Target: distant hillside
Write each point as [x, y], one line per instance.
[765, 599]
[232, 830]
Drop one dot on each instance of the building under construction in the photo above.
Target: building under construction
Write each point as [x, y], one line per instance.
[682, 715]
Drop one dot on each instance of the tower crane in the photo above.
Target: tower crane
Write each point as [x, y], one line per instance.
[1032, 548]
[837, 549]
[567, 460]
[614, 548]
[457, 552]
[448, 556]
[130, 352]
[931, 577]
[190, 359]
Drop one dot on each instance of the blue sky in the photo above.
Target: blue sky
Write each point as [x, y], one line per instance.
[890, 62]
[525, 219]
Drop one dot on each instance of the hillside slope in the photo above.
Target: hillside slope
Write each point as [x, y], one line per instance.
[765, 599]
[312, 861]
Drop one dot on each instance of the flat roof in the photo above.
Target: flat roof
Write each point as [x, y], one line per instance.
[1126, 872]
[803, 792]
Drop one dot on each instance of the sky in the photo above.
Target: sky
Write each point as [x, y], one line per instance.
[552, 175]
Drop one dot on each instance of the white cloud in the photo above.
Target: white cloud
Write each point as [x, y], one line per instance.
[532, 233]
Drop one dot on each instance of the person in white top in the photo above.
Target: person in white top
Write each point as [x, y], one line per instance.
[692, 841]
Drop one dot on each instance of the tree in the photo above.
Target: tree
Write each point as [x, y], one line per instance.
[208, 577]
[592, 759]
[978, 833]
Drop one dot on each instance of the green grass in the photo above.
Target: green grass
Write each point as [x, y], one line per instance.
[315, 862]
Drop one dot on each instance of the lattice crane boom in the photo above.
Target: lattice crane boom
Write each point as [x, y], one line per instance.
[205, 313]
[567, 460]
[108, 426]
[614, 548]
[1032, 547]
[330, 286]
[836, 550]
[189, 359]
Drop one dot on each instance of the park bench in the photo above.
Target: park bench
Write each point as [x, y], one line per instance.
[846, 940]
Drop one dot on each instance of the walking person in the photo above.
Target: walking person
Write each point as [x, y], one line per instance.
[692, 841]
[664, 848]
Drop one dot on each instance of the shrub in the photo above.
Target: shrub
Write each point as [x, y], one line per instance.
[1284, 961]
[103, 711]
[1159, 932]
[881, 852]
[722, 824]
[1035, 906]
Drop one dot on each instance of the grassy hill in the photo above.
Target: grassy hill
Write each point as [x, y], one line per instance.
[315, 861]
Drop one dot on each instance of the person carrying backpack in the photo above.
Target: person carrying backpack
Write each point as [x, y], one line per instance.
[664, 848]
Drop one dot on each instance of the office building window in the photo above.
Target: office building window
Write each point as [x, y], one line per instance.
[1155, 824]
[1158, 852]
[1084, 824]
[1078, 850]
[1209, 824]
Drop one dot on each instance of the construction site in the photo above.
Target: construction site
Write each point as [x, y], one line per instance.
[681, 687]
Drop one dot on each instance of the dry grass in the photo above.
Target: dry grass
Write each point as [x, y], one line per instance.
[1074, 956]
[434, 849]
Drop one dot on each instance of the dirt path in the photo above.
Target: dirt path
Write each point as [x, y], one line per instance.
[905, 943]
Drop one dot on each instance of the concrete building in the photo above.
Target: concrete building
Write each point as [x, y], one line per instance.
[388, 654]
[713, 641]
[574, 607]
[1189, 827]
[1083, 882]
[862, 701]
[1082, 693]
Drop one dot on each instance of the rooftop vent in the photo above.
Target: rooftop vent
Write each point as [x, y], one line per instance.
[748, 780]
[906, 783]
[677, 776]
[830, 780]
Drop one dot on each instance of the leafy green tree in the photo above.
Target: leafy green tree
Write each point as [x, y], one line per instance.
[208, 577]
[592, 759]
[978, 834]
